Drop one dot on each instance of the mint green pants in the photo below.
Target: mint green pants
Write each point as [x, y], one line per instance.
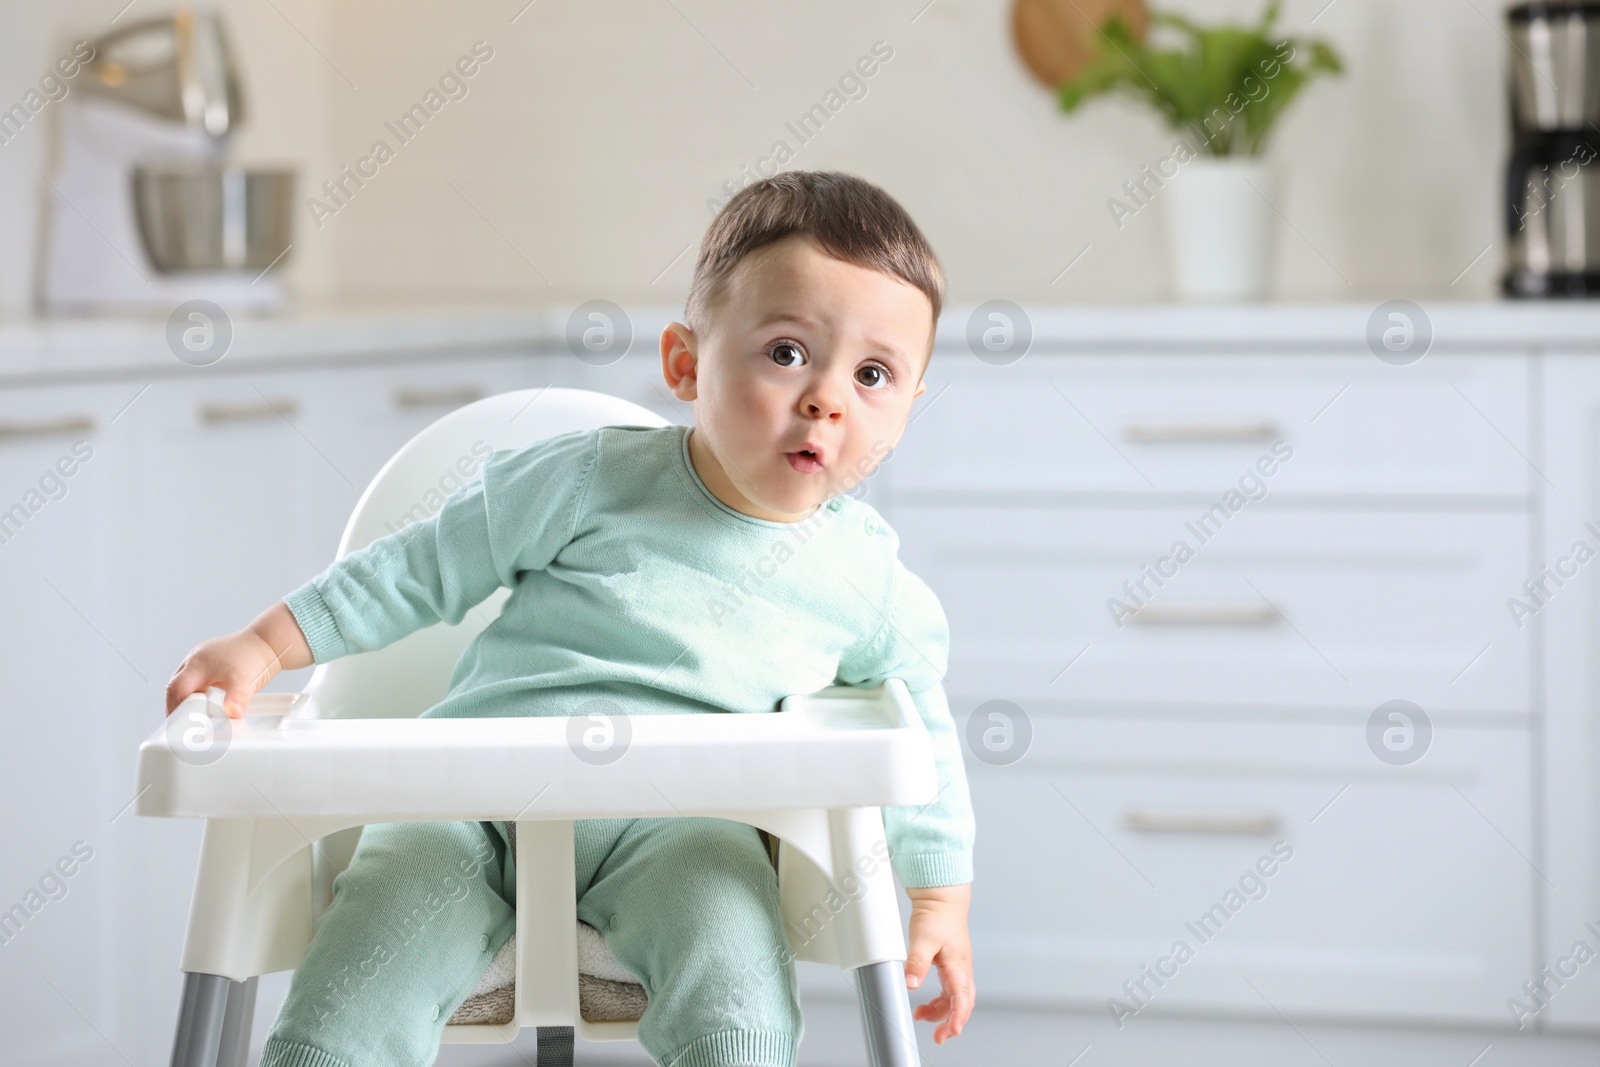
[689, 905]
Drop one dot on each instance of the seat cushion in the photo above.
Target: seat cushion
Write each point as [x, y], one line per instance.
[607, 991]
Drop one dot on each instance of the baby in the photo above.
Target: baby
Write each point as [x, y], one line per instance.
[712, 568]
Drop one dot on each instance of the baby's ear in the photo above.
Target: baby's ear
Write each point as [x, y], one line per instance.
[679, 357]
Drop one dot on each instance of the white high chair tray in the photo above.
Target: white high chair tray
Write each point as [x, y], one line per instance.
[839, 747]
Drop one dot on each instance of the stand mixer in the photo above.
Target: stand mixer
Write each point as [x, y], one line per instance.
[142, 210]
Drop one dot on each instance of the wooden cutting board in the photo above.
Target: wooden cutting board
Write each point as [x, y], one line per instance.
[1057, 37]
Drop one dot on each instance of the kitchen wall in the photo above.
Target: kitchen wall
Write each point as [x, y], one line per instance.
[589, 150]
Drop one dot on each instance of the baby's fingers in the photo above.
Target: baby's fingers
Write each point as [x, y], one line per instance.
[934, 1010]
[184, 683]
[957, 982]
[189, 680]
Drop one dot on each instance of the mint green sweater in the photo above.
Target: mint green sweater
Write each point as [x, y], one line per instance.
[631, 582]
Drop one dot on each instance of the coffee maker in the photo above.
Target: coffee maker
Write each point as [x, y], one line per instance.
[1553, 177]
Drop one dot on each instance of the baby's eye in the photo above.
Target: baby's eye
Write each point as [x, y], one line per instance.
[881, 376]
[783, 360]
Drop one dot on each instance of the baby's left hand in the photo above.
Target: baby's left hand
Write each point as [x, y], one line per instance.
[939, 936]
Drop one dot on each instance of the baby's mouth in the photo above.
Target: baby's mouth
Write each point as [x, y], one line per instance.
[804, 461]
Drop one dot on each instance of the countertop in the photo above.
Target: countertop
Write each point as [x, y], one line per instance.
[52, 350]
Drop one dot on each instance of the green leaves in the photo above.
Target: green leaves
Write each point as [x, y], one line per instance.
[1225, 87]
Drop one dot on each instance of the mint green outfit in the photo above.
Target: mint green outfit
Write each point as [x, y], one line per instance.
[631, 584]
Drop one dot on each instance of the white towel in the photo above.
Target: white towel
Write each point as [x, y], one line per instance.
[593, 958]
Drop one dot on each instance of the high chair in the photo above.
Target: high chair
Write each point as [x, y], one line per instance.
[285, 790]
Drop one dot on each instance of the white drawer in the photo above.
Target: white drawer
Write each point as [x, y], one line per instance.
[1194, 423]
[1280, 608]
[1405, 894]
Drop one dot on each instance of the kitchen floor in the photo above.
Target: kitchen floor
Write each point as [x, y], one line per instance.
[1005, 1036]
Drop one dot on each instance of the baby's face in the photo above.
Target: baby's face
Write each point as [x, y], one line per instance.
[804, 352]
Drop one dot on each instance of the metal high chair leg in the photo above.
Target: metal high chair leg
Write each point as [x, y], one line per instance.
[214, 1022]
[886, 1014]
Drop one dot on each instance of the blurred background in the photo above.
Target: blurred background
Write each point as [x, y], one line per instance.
[1258, 471]
[594, 145]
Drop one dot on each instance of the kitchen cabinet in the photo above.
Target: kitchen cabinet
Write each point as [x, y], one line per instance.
[1198, 575]
[63, 469]
[1567, 628]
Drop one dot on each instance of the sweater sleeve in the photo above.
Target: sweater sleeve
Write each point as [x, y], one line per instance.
[516, 517]
[929, 844]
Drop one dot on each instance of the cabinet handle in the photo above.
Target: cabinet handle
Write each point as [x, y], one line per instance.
[449, 396]
[19, 431]
[1206, 615]
[1198, 433]
[212, 414]
[1190, 821]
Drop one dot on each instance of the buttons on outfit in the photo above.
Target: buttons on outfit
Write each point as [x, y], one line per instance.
[483, 943]
[835, 504]
[436, 1013]
[613, 922]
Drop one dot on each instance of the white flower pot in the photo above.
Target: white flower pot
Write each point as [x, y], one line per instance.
[1220, 226]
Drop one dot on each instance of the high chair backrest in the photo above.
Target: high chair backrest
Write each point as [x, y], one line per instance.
[410, 676]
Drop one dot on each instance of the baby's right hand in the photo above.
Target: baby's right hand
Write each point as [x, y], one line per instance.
[241, 663]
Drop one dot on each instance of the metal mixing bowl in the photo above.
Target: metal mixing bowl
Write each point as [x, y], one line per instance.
[208, 216]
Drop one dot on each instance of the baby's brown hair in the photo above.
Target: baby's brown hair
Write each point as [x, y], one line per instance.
[850, 219]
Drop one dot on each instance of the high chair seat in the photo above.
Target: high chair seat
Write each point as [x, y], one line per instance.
[285, 790]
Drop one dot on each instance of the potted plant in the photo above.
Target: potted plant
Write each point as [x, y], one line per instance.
[1223, 90]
